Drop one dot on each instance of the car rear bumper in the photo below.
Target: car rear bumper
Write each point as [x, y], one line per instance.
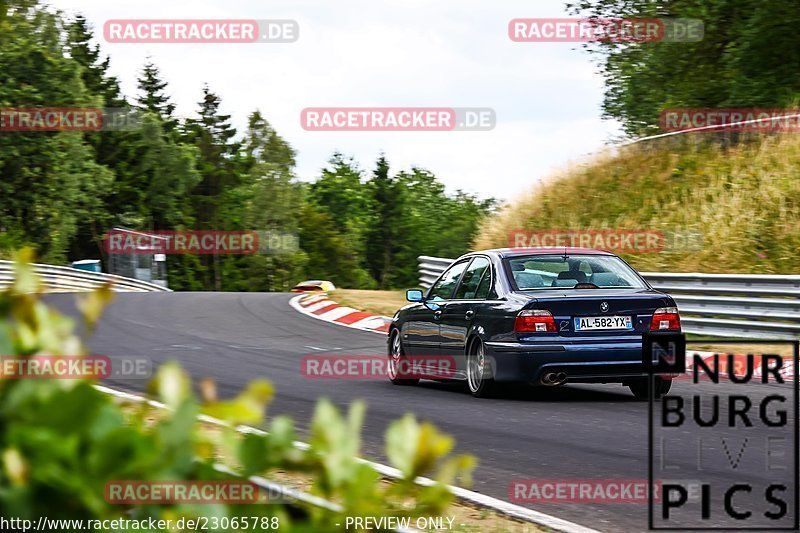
[598, 362]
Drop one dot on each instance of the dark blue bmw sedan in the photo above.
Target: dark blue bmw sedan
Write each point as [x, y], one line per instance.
[542, 316]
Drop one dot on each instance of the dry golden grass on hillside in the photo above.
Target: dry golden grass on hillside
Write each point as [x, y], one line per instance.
[384, 303]
[744, 200]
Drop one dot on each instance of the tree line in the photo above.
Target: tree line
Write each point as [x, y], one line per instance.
[60, 192]
[749, 56]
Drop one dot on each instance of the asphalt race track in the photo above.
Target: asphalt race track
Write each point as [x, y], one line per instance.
[572, 432]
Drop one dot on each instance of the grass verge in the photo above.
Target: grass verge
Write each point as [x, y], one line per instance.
[744, 201]
[379, 302]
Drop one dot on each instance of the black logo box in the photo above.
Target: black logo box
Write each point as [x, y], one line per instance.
[666, 353]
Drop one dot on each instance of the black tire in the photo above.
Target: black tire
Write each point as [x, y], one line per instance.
[640, 387]
[479, 382]
[396, 357]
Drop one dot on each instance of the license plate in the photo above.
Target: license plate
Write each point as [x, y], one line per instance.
[602, 322]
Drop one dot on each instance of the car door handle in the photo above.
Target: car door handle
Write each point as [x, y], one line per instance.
[469, 314]
[437, 314]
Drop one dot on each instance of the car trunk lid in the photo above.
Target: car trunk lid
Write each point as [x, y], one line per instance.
[568, 304]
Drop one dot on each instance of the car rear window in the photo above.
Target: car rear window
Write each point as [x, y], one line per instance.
[586, 271]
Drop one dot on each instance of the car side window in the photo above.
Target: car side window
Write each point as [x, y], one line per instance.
[468, 289]
[485, 286]
[443, 289]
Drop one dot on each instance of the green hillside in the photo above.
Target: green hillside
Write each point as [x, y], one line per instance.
[745, 201]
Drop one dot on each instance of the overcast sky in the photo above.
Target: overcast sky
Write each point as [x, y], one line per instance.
[357, 53]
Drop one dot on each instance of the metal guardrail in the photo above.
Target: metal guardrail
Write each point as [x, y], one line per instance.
[68, 279]
[713, 128]
[731, 305]
[430, 268]
[740, 305]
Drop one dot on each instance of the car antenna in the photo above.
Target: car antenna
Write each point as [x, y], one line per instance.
[565, 254]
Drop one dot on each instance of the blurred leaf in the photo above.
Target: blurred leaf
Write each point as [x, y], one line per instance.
[457, 468]
[337, 441]
[92, 304]
[25, 278]
[414, 448]
[247, 408]
[14, 466]
[171, 385]
[402, 437]
[253, 454]
[208, 390]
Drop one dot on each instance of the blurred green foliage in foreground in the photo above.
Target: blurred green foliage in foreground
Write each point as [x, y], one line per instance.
[62, 440]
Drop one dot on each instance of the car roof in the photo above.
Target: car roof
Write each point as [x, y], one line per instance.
[517, 252]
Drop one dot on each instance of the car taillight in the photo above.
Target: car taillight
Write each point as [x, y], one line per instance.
[534, 320]
[665, 318]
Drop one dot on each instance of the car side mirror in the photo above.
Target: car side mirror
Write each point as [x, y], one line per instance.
[414, 295]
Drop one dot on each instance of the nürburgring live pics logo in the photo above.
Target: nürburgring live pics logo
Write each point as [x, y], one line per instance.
[733, 429]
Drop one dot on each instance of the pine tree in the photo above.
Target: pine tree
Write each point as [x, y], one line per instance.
[153, 96]
[219, 166]
[263, 145]
[95, 73]
[113, 149]
[382, 239]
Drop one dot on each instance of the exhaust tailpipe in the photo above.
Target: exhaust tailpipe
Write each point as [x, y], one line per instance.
[552, 379]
